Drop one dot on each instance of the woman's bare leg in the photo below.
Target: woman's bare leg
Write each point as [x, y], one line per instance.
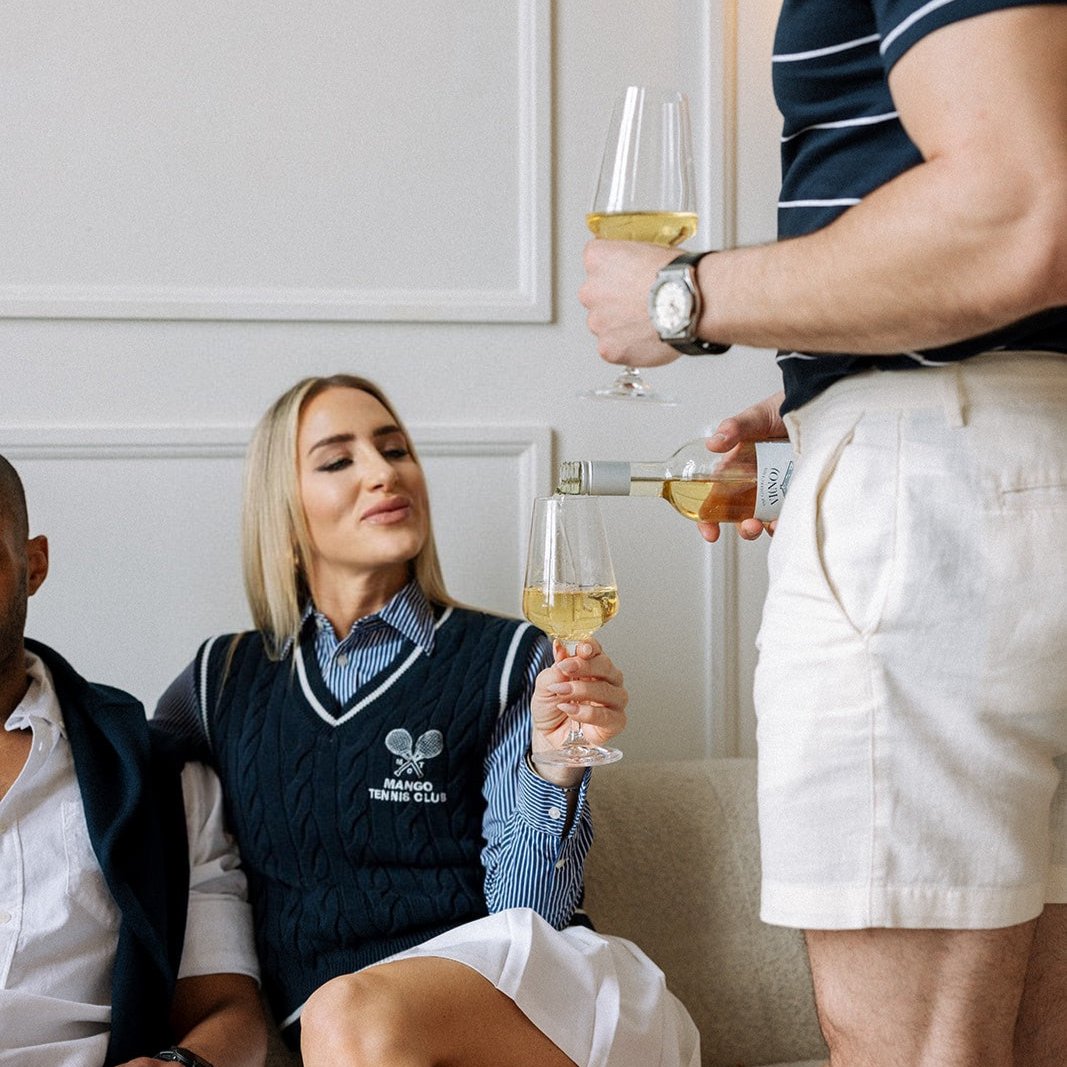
[420, 1012]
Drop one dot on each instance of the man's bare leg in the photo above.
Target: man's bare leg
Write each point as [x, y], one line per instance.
[1041, 1032]
[421, 1012]
[920, 998]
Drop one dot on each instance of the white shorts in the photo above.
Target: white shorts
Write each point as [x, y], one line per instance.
[911, 692]
[598, 998]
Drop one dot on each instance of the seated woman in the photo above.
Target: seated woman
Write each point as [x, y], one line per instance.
[414, 872]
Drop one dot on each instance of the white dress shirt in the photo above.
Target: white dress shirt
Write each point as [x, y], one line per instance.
[58, 922]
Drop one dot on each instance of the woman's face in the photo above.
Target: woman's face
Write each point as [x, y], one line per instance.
[364, 496]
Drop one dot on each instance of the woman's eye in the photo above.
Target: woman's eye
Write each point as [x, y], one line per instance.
[336, 464]
[397, 452]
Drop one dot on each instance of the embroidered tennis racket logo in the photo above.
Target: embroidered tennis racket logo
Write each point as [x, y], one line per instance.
[410, 758]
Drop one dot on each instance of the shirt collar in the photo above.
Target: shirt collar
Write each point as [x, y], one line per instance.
[40, 701]
[408, 612]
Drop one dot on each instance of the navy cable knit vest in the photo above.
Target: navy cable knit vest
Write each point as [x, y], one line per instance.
[360, 826]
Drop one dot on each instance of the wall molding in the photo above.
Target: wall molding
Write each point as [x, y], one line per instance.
[530, 445]
[529, 300]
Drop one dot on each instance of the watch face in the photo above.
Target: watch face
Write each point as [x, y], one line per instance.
[672, 304]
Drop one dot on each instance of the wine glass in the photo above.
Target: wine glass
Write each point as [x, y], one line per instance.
[645, 192]
[569, 592]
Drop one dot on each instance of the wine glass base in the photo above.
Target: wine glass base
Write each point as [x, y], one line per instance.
[641, 395]
[629, 385]
[579, 754]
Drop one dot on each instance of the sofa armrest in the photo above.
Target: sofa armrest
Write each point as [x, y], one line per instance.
[675, 869]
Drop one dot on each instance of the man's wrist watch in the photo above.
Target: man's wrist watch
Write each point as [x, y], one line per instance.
[177, 1054]
[674, 306]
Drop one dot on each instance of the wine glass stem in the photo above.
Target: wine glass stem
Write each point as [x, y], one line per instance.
[574, 735]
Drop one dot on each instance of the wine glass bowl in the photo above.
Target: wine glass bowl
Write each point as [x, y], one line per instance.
[645, 191]
[569, 592]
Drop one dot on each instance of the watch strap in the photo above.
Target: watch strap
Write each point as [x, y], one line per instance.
[690, 258]
[698, 347]
[177, 1054]
[695, 346]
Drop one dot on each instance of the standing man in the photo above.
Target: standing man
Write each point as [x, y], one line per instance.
[125, 934]
[911, 693]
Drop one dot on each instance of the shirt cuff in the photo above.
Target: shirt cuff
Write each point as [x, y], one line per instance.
[218, 937]
[543, 805]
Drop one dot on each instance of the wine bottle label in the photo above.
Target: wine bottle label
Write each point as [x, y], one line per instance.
[774, 470]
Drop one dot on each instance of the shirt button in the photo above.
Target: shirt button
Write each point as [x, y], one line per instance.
[342, 659]
[554, 812]
[5, 917]
[560, 864]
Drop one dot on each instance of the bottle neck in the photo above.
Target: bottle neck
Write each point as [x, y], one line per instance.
[605, 477]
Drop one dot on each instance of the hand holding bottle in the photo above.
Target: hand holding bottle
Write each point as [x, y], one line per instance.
[758, 422]
[740, 475]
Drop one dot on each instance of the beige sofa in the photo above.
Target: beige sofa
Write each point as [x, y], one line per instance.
[675, 868]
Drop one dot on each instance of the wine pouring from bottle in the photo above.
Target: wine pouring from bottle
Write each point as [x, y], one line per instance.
[749, 481]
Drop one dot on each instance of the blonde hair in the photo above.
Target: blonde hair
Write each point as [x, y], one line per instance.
[274, 536]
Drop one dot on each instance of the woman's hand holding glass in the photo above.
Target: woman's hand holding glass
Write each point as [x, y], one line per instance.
[585, 686]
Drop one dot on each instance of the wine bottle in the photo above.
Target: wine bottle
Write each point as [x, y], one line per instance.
[750, 481]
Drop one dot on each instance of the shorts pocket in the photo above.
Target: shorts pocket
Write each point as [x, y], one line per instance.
[856, 520]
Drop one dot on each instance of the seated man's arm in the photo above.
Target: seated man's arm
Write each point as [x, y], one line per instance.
[217, 1011]
[220, 1018]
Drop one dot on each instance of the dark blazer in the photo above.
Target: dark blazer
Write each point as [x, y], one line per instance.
[132, 795]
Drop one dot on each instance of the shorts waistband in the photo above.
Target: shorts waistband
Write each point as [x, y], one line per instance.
[1039, 377]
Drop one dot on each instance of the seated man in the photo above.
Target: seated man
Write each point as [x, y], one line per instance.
[98, 964]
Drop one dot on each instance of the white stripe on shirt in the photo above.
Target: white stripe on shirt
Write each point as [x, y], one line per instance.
[849, 201]
[910, 21]
[841, 124]
[815, 53]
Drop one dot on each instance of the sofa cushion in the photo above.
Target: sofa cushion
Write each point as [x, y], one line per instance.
[675, 868]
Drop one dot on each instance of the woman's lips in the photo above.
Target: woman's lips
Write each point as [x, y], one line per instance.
[388, 512]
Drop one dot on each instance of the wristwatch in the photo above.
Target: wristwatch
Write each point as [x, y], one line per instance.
[177, 1054]
[674, 306]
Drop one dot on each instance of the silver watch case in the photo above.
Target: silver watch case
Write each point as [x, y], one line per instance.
[674, 307]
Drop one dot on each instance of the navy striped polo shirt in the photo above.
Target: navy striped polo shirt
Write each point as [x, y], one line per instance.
[842, 139]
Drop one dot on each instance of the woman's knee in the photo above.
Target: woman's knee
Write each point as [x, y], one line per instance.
[358, 1017]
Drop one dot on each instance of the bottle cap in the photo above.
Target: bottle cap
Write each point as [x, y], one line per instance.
[596, 477]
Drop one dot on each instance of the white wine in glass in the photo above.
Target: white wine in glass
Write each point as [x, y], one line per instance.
[569, 592]
[645, 192]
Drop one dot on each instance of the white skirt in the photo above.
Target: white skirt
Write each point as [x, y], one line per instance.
[598, 998]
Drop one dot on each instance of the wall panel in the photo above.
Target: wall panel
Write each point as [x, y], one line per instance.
[266, 161]
[144, 527]
[204, 204]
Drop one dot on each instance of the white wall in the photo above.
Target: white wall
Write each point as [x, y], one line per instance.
[204, 204]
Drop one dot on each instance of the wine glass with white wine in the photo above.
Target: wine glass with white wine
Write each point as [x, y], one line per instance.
[645, 192]
[569, 592]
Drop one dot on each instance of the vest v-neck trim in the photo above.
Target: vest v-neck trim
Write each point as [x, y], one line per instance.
[316, 704]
